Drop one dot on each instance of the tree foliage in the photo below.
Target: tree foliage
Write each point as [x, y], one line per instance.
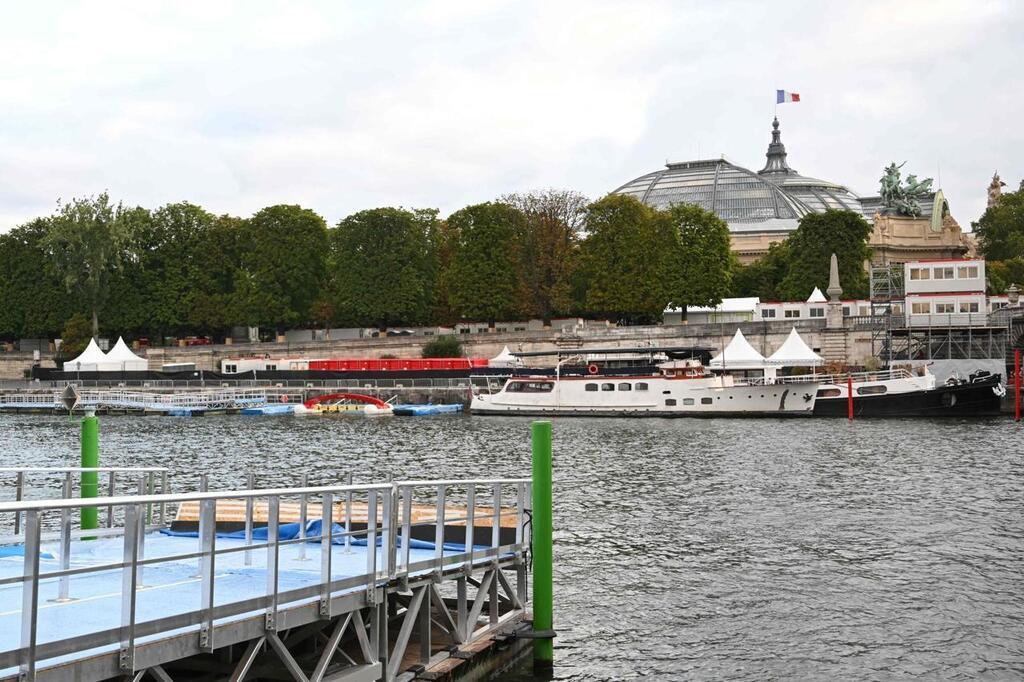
[75, 336]
[283, 266]
[484, 279]
[627, 260]
[384, 267]
[703, 261]
[1002, 273]
[84, 244]
[1000, 230]
[554, 220]
[447, 346]
[763, 278]
[34, 300]
[811, 246]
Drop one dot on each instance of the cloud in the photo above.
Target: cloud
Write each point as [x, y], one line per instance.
[345, 106]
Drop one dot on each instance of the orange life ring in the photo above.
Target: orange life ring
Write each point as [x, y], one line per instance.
[592, 368]
[283, 398]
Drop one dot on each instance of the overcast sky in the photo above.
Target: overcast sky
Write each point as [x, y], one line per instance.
[342, 106]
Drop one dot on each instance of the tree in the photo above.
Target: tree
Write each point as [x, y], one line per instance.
[554, 219]
[34, 301]
[811, 246]
[75, 336]
[484, 278]
[703, 258]
[627, 260]
[283, 266]
[215, 263]
[442, 347]
[384, 266]
[1002, 273]
[84, 244]
[1000, 230]
[763, 278]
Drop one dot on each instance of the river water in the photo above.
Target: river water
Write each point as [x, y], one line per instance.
[692, 549]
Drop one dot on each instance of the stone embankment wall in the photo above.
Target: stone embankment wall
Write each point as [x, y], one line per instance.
[855, 345]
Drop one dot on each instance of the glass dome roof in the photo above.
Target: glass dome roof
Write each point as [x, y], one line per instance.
[776, 195]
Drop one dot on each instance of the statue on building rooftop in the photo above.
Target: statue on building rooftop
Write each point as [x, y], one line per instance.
[995, 189]
[902, 198]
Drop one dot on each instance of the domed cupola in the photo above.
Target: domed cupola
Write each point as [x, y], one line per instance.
[776, 154]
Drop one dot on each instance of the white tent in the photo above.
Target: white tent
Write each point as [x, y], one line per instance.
[739, 354]
[505, 359]
[817, 297]
[795, 353]
[92, 359]
[122, 359]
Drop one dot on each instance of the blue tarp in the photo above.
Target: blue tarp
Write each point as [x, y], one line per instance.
[290, 531]
[425, 410]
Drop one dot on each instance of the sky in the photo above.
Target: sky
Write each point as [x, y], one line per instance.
[344, 106]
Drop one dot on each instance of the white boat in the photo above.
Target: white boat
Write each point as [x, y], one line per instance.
[681, 388]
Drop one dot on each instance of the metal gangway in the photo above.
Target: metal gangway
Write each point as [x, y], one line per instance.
[364, 586]
[192, 401]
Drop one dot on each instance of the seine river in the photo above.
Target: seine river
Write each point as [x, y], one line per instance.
[709, 549]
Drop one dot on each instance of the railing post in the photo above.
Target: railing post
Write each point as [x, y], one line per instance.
[133, 521]
[163, 491]
[406, 496]
[521, 588]
[111, 487]
[19, 487]
[1016, 384]
[371, 545]
[207, 564]
[348, 516]
[326, 526]
[30, 597]
[439, 532]
[302, 519]
[470, 526]
[250, 483]
[64, 584]
[495, 543]
[543, 550]
[273, 554]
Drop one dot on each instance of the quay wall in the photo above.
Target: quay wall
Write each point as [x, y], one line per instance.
[848, 345]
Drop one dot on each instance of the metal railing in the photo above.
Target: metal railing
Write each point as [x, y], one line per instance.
[390, 523]
[880, 375]
[132, 480]
[120, 398]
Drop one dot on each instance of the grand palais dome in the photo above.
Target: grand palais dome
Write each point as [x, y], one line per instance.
[770, 200]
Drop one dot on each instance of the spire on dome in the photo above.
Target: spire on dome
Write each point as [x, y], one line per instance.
[776, 153]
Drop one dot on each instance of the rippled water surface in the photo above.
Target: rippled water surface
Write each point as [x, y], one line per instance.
[739, 549]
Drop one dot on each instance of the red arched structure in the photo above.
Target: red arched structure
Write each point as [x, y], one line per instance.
[354, 397]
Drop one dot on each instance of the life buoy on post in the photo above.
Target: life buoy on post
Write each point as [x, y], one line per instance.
[592, 368]
[283, 398]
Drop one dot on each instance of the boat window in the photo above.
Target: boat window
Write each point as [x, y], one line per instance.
[670, 401]
[705, 401]
[591, 387]
[641, 386]
[687, 401]
[625, 387]
[529, 387]
[829, 393]
[230, 369]
[607, 387]
[871, 390]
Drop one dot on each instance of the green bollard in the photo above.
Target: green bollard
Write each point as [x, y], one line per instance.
[90, 460]
[543, 552]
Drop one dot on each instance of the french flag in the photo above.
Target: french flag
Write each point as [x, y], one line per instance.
[781, 97]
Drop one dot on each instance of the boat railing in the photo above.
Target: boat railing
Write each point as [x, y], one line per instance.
[388, 513]
[858, 377]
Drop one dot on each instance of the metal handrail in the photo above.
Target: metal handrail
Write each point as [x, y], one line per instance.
[392, 511]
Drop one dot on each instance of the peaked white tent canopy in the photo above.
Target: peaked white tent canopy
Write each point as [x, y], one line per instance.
[504, 359]
[738, 354]
[817, 297]
[794, 352]
[122, 359]
[92, 359]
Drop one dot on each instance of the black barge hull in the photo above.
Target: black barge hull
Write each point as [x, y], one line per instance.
[979, 399]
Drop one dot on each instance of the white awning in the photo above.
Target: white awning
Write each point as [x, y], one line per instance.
[739, 354]
[795, 353]
[817, 297]
[91, 359]
[505, 359]
[122, 359]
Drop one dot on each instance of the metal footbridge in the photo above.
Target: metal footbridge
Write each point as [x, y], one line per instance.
[382, 594]
[120, 399]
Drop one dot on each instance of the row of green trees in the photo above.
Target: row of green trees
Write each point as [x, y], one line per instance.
[181, 270]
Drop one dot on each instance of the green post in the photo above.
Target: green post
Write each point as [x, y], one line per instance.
[543, 552]
[90, 460]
